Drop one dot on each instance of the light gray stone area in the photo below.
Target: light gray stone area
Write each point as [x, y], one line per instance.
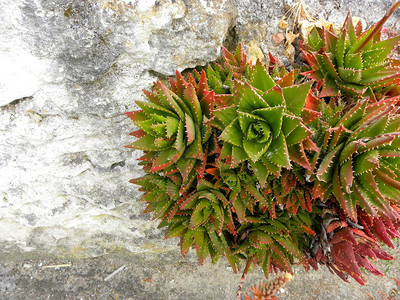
[69, 70]
[166, 276]
[258, 21]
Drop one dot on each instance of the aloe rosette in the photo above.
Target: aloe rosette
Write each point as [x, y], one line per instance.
[346, 247]
[264, 121]
[274, 244]
[172, 132]
[359, 159]
[353, 62]
[200, 216]
[290, 190]
[208, 206]
[205, 219]
[159, 192]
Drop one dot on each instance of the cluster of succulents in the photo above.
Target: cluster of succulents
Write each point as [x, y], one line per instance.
[254, 163]
[353, 63]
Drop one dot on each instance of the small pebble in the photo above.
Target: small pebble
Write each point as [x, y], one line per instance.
[278, 38]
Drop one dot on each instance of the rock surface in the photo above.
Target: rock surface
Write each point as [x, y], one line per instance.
[73, 68]
[166, 276]
[69, 69]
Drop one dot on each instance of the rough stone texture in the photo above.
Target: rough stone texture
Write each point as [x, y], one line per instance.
[258, 21]
[166, 276]
[69, 69]
[73, 68]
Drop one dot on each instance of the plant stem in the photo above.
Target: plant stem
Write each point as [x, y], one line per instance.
[246, 269]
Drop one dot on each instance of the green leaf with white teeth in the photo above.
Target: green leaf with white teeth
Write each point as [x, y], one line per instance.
[353, 61]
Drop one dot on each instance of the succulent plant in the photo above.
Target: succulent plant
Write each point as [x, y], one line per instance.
[171, 124]
[275, 242]
[250, 162]
[201, 216]
[353, 62]
[264, 122]
[358, 159]
[346, 247]
[267, 290]
[290, 190]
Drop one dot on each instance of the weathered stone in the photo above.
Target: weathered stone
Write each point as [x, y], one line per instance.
[165, 276]
[75, 67]
[258, 21]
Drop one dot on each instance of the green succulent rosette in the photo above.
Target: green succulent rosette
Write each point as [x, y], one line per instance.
[263, 122]
[159, 192]
[200, 216]
[359, 160]
[276, 243]
[353, 62]
[172, 131]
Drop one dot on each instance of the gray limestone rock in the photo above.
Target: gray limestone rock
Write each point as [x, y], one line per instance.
[71, 69]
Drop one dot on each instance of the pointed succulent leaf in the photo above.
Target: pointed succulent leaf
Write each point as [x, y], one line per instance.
[278, 152]
[240, 208]
[274, 96]
[226, 114]
[330, 40]
[233, 134]
[171, 126]
[152, 108]
[274, 117]
[176, 231]
[194, 104]
[238, 155]
[261, 237]
[366, 161]
[350, 75]
[295, 97]
[249, 99]
[327, 66]
[289, 246]
[260, 78]
[255, 150]
[299, 134]
[327, 163]
[190, 129]
[261, 171]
